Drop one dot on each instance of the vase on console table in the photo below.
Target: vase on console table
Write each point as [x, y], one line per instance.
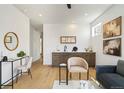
[65, 48]
[88, 50]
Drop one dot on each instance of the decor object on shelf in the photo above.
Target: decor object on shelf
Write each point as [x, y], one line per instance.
[88, 49]
[68, 39]
[65, 48]
[11, 41]
[5, 58]
[21, 54]
[57, 48]
[112, 47]
[112, 28]
[74, 49]
[111, 76]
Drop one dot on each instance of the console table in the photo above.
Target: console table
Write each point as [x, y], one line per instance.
[12, 75]
[62, 57]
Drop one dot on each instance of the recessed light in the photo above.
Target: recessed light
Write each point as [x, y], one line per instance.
[40, 15]
[85, 14]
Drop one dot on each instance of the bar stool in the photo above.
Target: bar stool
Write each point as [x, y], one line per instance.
[63, 65]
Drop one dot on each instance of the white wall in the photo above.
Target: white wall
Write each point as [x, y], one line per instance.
[51, 38]
[35, 43]
[97, 42]
[12, 20]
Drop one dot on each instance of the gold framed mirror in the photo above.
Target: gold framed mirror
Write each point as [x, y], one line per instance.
[11, 41]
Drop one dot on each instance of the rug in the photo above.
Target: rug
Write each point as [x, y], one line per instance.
[77, 84]
[72, 84]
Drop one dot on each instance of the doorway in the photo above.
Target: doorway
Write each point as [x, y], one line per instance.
[41, 47]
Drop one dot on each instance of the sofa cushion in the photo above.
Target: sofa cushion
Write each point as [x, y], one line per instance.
[120, 67]
[111, 80]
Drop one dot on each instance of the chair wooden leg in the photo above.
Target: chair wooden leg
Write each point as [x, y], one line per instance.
[59, 75]
[17, 76]
[88, 75]
[21, 72]
[70, 75]
[29, 72]
[66, 76]
[79, 75]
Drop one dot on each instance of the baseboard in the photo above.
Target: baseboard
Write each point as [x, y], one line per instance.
[36, 60]
[47, 65]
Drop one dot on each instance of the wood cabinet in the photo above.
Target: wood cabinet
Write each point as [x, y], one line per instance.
[62, 57]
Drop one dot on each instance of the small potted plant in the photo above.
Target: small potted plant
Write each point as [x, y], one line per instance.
[21, 54]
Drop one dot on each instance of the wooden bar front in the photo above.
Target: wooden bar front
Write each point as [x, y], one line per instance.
[62, 57]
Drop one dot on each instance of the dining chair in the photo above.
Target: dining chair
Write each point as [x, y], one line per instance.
[26, 68]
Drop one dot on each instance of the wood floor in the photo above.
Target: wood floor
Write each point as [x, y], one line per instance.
[43, 77]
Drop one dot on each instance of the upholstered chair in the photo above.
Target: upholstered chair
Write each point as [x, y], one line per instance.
[78, 65]
[26, 68]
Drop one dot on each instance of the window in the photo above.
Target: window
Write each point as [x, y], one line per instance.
[96, 30]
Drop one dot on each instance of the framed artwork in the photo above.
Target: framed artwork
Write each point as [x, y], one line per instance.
[112, 47]
[112, 28]
[8, 39]
[68, 39]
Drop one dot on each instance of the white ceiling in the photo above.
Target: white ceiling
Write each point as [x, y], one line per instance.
[60, 14]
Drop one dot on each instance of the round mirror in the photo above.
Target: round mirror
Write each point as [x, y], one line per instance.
[11, 41]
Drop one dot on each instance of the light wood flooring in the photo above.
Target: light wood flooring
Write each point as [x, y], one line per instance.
[43, 77]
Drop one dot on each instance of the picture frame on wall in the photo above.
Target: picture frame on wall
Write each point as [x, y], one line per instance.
[112, 47]
[112, 28]
[68, 39]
